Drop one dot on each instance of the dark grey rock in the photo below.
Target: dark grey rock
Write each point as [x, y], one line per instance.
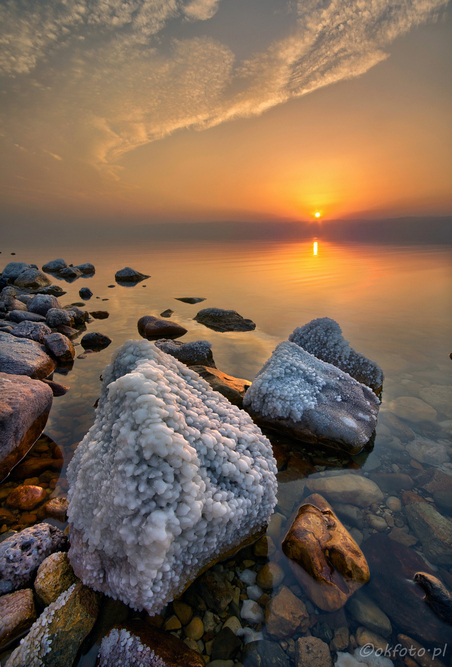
[95, 341]
[32, 330]
[86, 269]
[57, 317]
[128, 275]
[60, 346]
[196, 353]
[85, 293]
[224, 320]
[21, 356]
[100, 314]
[264, 654]
[22, 554]
[41, 303]
[190, 299]
[24, 407]
[70, 273]
[55, 266]
[56, 290]
[80, 316]
[13, 269]
[32, 279]
[215, 590]
[25, 316]
[225, 645]
[152, 328]
[9, 303]
[167, 313]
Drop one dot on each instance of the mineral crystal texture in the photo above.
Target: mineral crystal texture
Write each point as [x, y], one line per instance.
[170, 476]
[323, 338]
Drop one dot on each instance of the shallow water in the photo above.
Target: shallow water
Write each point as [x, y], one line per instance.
[393, 304]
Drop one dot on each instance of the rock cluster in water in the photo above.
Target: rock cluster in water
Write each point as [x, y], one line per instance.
[170, 475]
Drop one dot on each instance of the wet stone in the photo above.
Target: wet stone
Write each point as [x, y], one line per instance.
[412, 409]
[36, 331]
[17, 613]
[95, 341]
[26, 497]
[128, 275]
[348, 488]
[264, 654]
[392, 482]
[42, 303]
[270, 576]
[60, 346]
[366, 612]
[152, 328]
[224, 320]
[285, 615]
[226, 645]
[215, 590]
[54, 576]
[312, 652]
[195, 629]
[183, 611]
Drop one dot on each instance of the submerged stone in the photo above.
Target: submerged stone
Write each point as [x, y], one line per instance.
[323, 338]
[152, 328]
[170, 476]
[312, 401]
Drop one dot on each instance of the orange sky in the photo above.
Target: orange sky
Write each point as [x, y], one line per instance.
[210, 133]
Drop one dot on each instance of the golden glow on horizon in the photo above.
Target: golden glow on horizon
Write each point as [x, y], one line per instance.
[315, 248]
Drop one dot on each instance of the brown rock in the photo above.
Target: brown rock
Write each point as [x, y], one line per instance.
[215, 590]
[434, 480]
[152, 328]
[312, 652]
[26, 497]
[393, 566]
[432, 528]
[18, 613]
[285, 615]
[99, 314]
[264, 547]
[195, 629]
[7, 517]
[402, 537]
[422, 656]
[183, 611]
[168, 650]
[270, 576]
[60, 346]
[231, 387]
[24, 410]
[55, 575]
[172, 623]
[66, 622]
[35, 466]
[324, 558]
[341, 639]
[56, 508]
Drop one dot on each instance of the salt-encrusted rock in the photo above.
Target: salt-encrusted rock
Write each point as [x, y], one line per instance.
[21, 356]
[323, 338]
[286, 615]
[22, 554]
[32, 330]
[60, 346]
[312, 652]
[312, 400]
[86, 269]
[13, 269]
[366, 612]
[169, 477]
[57, 317]
[324, 557]
[41, 303]
[152, 328]
[137, 643]
[348, 488]
[25, 316]
[224, 320]
[57, 635]
[196, 353]
[24, 409]
[18, 613]
[95, 341]
[432, 528]
[231, 387]
[55, 575]
[85, 293]
[128, 275]
[54, 266]
[32, 279]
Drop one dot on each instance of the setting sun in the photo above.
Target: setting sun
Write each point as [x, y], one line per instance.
[317, 214]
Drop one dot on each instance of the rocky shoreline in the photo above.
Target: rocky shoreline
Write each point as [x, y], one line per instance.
[289, 599]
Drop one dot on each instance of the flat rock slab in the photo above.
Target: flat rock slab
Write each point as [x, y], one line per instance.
[137, 643]
[24, 409]
[312, 400]
[25, 316]
[392, 568]
[18, 613]
[224, 320]
[21, 356]
[57, 635]
[22, 554]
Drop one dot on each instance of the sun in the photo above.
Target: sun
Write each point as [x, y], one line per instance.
[317, 214]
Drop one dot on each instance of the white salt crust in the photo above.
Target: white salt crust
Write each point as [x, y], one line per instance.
[323, 338]
[120, 646]
[170, 475]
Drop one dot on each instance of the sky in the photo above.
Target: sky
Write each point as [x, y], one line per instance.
[143, 111]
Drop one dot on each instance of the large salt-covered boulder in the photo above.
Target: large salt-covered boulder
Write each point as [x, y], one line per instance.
[323, 338]
[170, 476]
[312, 400]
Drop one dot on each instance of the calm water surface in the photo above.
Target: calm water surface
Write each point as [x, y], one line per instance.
[393, 304]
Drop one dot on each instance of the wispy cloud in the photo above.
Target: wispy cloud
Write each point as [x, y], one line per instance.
[123, 85]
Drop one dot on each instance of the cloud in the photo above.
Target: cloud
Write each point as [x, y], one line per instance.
[129, 82]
